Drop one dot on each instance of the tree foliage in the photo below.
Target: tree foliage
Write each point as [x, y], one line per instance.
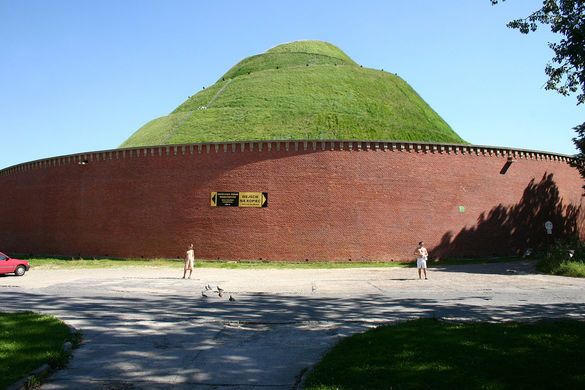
[579, 141]
[566, 71]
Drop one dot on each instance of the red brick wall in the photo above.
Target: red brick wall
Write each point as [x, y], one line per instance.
[375, 203]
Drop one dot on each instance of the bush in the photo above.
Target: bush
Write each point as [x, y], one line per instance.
[564, 257]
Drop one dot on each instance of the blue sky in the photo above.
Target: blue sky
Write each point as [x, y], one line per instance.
[77, 75]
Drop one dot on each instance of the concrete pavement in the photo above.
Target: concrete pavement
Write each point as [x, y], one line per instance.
[148, 328]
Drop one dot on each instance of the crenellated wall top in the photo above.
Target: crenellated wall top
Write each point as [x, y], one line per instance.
[286, 146]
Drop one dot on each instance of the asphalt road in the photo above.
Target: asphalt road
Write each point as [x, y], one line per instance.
[148, 328]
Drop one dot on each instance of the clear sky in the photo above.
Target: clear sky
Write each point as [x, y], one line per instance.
[78, 76]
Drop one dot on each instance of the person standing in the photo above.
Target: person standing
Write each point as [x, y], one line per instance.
[189, 260]
[421, 259]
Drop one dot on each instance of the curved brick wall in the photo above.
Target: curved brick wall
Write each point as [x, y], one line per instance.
[327, 200]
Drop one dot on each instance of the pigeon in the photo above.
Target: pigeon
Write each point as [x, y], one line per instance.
[220, 294]
[219, 289]
[204, 295]
[231, 299]
[208, 287]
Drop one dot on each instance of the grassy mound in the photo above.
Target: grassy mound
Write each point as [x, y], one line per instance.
[300, 90]
[312, 47]
[289, 55]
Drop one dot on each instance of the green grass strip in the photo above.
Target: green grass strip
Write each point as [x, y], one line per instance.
[56, 263]
[28, 340]
[67, 263]
[428, 353]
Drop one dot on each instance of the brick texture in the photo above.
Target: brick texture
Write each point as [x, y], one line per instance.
[359, 201]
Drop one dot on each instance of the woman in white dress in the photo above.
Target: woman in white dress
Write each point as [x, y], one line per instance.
[189, 260]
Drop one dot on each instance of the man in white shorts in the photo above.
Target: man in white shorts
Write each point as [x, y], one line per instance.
[189, 259]
[421, 259]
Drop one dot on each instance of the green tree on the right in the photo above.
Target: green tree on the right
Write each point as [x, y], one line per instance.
[566, 71]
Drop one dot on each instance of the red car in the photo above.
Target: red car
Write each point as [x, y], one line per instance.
[9, 265]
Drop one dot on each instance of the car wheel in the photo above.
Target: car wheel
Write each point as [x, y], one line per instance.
[20, 270]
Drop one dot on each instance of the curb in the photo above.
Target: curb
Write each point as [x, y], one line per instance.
[301, 379]
[22, 384]
[43, 370]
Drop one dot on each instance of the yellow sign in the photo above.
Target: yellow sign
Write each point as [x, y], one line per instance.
[252, 199]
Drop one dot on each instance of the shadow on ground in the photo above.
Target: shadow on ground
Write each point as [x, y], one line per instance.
[259, 341]
[518, 267]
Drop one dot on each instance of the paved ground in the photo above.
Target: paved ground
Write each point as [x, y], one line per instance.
[147, 328]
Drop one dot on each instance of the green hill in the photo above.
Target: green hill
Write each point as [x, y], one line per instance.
[300, 90]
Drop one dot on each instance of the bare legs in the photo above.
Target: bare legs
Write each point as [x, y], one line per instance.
[424, 270]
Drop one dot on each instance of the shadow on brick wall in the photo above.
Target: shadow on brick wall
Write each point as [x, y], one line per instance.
[509, 230]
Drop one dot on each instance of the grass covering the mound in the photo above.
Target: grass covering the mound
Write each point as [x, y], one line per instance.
[313, 47]
[302, 90]
[270, 61]
[428, 353]
[315, 102]
[302, 53]
[28, 340]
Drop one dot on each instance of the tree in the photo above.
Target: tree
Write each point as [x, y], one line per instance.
[579, 141]
[566, 71]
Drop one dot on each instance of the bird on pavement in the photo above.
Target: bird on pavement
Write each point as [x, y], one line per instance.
[231, 299]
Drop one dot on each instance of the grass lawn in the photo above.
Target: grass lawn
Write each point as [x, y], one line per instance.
[28, 340]
[62, 263]
[56, 263]
[428, 353]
